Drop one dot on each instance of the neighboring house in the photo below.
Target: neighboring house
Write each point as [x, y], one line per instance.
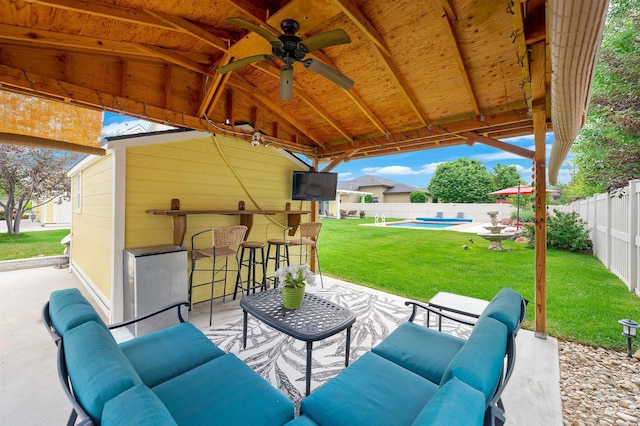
[111, 194]
[382, 190]
[56, 210]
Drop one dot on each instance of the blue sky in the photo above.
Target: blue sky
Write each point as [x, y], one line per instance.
[413, 168]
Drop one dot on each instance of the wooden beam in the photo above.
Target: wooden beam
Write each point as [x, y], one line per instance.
[35, 84]
[540, 132]
[523, 152]
[214, 85]
[218, 93]
[250, 9]
[351, 10]
[104, 10]
[464, 72]
[174, 58]
[38, 142]
[50, 38]
[191, 29]
[520, 41]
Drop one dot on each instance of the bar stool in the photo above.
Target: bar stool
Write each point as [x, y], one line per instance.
[224, 243]
[309, 233]
[251, 264]
[280, 256]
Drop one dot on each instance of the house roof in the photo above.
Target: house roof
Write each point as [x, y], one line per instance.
[363, 182]
[426, 74]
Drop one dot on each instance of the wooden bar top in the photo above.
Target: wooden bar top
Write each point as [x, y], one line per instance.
[294, 218]
[223, 212]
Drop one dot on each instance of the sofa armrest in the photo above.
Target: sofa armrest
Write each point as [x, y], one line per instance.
[416, 305]
[149, 315]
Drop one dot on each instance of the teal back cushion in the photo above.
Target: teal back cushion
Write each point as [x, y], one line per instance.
[68, 309]
[137, 406]
[455, 404]
[505, 307]
[480, 361]
[98, 369]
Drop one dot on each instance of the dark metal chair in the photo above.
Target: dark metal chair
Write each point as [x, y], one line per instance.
[224, 245]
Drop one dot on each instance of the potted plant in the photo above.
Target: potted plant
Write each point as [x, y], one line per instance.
[294, 279]
[362, 214]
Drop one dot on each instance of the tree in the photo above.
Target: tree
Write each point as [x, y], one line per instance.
[417, 197]
[607, 151]
[506, 176]
[27, 174]
[462, 181]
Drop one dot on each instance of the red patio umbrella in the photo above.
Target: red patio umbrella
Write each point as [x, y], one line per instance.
[515, 190]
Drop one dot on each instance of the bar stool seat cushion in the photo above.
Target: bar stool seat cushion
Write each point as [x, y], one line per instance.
[252, 244]
[278, 241]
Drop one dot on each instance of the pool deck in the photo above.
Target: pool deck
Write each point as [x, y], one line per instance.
[470, 227]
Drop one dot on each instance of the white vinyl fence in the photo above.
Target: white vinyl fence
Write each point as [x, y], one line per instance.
[614, 224]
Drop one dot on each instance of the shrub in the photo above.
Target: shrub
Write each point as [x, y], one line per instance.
[565, 231]
[418, 197]
[526, 215]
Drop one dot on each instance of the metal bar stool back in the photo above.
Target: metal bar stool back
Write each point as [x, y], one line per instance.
[224, 245]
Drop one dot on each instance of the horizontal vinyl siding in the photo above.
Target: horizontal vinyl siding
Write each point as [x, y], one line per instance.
[92, 227]
[194, 172]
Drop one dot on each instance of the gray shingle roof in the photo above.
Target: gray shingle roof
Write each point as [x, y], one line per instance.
[361, 184]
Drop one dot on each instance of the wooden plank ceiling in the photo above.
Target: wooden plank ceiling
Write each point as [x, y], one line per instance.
[427, 73]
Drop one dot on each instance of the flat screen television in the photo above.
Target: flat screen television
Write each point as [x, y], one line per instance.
[314, 186]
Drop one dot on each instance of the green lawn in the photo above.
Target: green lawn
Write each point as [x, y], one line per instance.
[32, 244]
[584, 300]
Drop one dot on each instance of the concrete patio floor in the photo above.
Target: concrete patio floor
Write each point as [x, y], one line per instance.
[30, 393]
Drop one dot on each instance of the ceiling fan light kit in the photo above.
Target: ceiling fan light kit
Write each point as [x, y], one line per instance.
[289, 48]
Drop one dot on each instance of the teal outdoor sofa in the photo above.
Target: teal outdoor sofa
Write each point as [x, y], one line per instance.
[420, 376]
[172, 376]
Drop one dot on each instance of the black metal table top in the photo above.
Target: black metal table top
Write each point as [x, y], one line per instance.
[316, 319]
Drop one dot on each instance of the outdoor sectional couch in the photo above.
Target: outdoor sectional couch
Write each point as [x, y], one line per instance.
[172, 376]
[420, 376]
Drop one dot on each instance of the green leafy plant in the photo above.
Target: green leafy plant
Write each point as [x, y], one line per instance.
[526, 215]
[565, 231]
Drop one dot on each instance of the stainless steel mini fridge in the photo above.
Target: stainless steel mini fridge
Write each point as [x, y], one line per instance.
[154, 277]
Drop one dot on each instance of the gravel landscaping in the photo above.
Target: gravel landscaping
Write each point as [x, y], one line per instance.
[598, 387]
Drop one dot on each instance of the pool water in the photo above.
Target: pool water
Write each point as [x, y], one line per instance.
[421, 225]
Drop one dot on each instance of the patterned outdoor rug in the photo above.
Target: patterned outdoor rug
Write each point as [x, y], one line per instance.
[282, 359]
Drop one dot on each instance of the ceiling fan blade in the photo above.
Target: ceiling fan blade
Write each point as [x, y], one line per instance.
[330, 73]
[264, 33]
[243, 62]
[286, 82]
[322, 40]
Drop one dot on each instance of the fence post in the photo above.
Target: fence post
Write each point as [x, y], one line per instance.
[634, 237]
[607, 230]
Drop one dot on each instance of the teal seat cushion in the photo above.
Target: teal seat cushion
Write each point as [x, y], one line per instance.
[302, 421]
[480, 361]
[138, 406]
[68, 309]
[505, 307]
[422, 350]
[98, 369]
[224, 391]
[371, 391]
[455, 404]
[167, 353]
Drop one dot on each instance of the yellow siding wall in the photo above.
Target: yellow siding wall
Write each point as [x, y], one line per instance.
[92, 227]
[195, 171]
[397, 198]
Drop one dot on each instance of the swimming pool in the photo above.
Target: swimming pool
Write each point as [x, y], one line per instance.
[424, 225]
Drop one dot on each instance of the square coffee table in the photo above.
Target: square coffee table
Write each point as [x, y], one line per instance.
[315, 320]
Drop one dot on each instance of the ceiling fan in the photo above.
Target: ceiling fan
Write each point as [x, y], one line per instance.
[290, 49]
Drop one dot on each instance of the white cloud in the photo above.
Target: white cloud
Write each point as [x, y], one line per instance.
[345, 176]
[426, 169]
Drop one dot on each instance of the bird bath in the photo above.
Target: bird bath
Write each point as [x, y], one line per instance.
[495, 236]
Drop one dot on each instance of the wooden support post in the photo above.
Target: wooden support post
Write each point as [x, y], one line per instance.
[539, 130]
